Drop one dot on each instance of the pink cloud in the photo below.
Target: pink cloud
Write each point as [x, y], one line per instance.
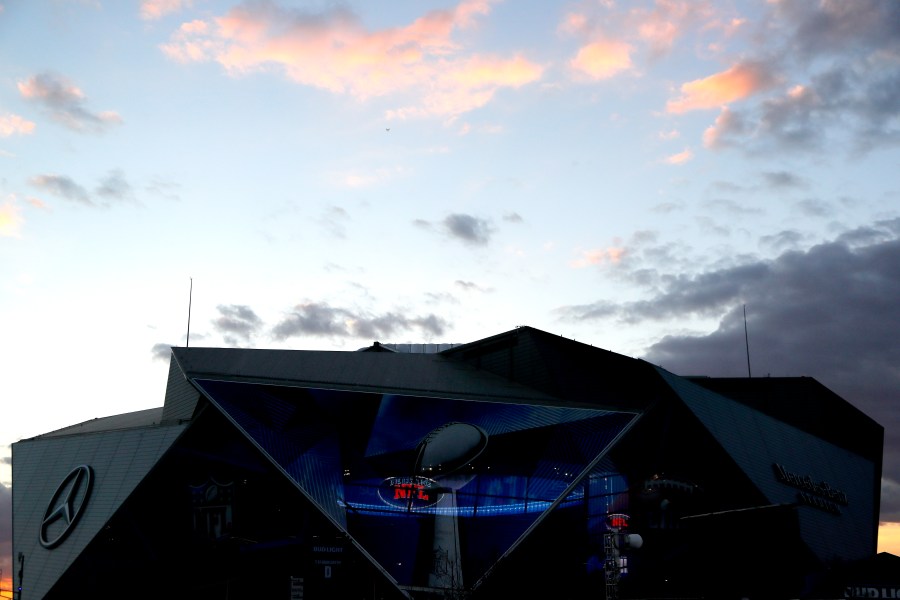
[333, 51]
[738, 82]
[603, 59]
[616, 41]
[599, 256]
[156, 9]
[680, 158]
[15, 125]
[668, 20]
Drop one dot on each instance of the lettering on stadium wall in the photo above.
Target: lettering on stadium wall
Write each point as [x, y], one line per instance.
[818, 495]
[872, 592]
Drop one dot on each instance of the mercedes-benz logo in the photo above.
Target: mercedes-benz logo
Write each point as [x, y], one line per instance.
[66, 506]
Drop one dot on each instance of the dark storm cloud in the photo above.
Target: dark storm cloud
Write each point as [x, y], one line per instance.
[320, 319]
[830, 312]
[469, 229]
[65, 103]
[841, 27]
[63, 187]
[236, 322]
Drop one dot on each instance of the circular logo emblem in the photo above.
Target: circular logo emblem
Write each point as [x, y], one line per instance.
[66, 506]
[410, 493]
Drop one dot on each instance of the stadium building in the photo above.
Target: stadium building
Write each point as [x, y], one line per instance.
[521, 465]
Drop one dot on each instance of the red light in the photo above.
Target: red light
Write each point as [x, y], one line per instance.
[407, 491]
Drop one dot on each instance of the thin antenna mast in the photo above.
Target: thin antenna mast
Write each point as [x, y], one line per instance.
[190, 297]
[747, 342]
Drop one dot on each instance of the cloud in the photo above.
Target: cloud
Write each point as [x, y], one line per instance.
[363, 179]
[668, 20]
[322, 320]
[864, 100]
[733, 208]
[735, 83]
[65, 103]
[599, 257]
[11, 124]
[333, 51]
[728, 126]
[161, 352]
[829, 312]
[237, 323]
[813, 207]
[470, 286]
[115, 187]
[783, 179]
[63, 187]
[469, 229]
[603, 59]
[672, 134]
[680, 158]
[11, 219]
[614, 37]
[846, 87]
[334, 219]
[156, 9]
[839, 28]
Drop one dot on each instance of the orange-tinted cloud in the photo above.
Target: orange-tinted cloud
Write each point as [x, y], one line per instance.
[736, 83]
[615, 37]
[14, 124]
[603, 59]
[10, 219]
[680, 158]
[599, 257]
[334, 51]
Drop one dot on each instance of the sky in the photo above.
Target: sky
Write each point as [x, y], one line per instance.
[322, 175]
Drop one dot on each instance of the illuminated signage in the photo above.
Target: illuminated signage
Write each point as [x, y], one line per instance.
[617, 521]
[811, 493]
[410, 493]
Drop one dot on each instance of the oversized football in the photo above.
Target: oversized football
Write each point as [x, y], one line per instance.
[449, 447]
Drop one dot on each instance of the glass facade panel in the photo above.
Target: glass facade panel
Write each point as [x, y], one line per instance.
[435, 490]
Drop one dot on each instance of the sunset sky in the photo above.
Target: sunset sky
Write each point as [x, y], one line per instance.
[327, 174]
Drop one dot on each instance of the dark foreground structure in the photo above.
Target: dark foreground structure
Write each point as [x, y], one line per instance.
[523, 465]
